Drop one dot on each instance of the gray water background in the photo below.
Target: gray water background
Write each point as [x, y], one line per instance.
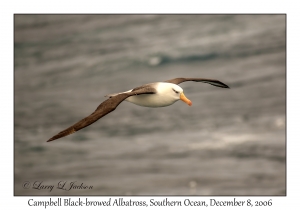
[230, 142]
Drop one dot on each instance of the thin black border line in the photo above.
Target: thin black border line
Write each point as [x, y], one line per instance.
[285, 14]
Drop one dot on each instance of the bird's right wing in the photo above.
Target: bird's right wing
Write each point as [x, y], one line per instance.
[103, 109]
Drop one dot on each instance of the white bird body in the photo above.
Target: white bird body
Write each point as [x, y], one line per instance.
[165, 95]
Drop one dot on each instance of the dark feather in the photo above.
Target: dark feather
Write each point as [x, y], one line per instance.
[103, 109]
[213, 82]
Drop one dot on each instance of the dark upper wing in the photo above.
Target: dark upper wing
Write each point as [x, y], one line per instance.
[209, 81]
[103, 109]
[145, 87]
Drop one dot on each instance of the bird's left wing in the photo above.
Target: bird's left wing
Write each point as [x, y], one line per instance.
[103, 109]
[213, 82]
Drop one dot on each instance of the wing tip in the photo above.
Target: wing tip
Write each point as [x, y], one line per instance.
[52, 139]
[226, 86]
[221, 84]
[62, 134]
[217, 83]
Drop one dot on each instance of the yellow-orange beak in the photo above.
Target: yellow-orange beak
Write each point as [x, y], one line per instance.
[184, 99]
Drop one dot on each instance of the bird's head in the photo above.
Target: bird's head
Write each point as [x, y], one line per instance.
[177, 93]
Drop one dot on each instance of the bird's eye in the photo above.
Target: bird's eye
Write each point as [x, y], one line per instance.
[176, 91]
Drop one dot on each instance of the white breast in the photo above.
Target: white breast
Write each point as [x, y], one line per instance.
[164, 96]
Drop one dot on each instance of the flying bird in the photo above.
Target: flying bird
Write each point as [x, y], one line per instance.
[158, 94]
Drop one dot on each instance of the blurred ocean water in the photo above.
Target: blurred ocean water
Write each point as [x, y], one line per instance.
[230, 142]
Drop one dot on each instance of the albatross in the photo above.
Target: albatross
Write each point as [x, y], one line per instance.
[158, 94]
